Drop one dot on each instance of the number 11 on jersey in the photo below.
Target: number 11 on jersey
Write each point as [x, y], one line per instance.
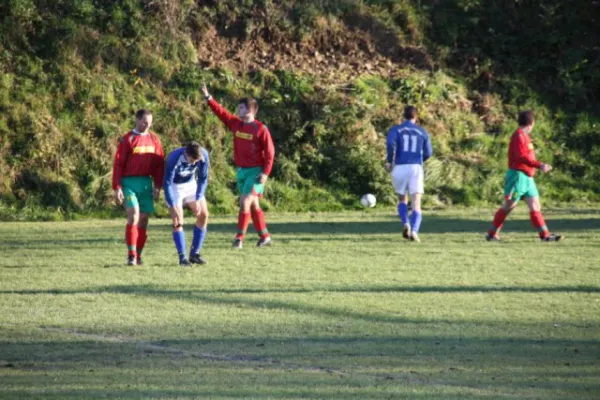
[409, 140]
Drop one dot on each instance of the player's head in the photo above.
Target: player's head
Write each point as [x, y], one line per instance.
[247, 108]
[526, 120]
[410, 113]
[193, 152]
[143, 120]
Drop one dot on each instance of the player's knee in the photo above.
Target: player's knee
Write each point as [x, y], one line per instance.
[133, 218]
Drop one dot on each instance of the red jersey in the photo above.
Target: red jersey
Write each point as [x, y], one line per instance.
[521, 155]
[139, 155]
[252, 143]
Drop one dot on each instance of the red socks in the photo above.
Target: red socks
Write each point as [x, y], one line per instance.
[537, 220]
[258, 218]
[498, 222]
[141, 240]
[243, 222]
[131, 238]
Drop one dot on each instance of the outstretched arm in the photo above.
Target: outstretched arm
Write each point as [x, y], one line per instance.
[231, 121]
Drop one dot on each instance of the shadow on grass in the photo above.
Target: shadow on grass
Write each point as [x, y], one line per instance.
[300, 365]
[431, 224]
[235, 297]
[391, 225]
[155, 290]
[303, 366]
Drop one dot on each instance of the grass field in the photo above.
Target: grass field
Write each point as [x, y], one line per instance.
[339, 308]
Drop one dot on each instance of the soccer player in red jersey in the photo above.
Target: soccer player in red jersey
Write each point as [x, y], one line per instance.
[519, 182]
[139, 162]
[254, 153]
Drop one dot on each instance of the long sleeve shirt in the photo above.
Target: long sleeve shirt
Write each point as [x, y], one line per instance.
[521, 155]
[408, 143]
[179, 171]
[139, 155]
[252, 142]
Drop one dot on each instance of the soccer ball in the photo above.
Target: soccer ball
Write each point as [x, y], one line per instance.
[368, 200]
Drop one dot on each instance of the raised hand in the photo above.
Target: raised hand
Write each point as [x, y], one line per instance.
[204, 91]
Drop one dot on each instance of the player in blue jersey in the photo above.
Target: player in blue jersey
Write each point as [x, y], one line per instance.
[186, 179]
[408, 146]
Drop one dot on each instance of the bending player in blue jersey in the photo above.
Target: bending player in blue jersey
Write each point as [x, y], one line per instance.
[408, 146]
[186, 179]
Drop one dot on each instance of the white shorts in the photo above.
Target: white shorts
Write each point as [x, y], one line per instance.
[184, 193]
[408, 179]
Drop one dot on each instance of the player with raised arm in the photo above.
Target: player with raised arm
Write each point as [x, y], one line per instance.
[253, 155]
[519, 182]
[138, 172]
[186, 179]
[408, 147]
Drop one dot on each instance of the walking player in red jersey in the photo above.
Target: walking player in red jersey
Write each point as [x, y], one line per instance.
[253, 155]
[139, 161]
[519, 182]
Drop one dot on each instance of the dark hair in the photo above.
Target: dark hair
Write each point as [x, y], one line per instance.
[526, 118]
[193, 150]
[410, 112]
[141, 113]
[251, 103]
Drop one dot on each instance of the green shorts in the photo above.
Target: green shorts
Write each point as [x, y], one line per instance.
[138, 193]
[247, 181]
[518, 184]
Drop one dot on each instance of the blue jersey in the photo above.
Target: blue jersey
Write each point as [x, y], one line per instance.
[408, 143]
[179, 171]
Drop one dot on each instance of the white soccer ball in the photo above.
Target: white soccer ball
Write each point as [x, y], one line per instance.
[368, 200]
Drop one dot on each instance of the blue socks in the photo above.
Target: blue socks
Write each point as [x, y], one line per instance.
[198, 240]
[179, 239]
[415, 221]
[403, 212]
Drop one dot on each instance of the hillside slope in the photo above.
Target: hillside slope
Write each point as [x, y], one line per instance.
[330, 76]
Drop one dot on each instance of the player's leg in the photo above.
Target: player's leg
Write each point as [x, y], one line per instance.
[499, 218]
[178, 233]
[142, 236]
[403, 214]
[416, 186]
[415, 216]
[512, 194]
[537, 220]
[243, 220]
[131, 230]
[146, 204]
[400, 183]
[246, 183]
[132, 209]
[258, 218]
[200, 210]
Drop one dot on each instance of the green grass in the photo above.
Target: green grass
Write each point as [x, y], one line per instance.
[339, 308]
